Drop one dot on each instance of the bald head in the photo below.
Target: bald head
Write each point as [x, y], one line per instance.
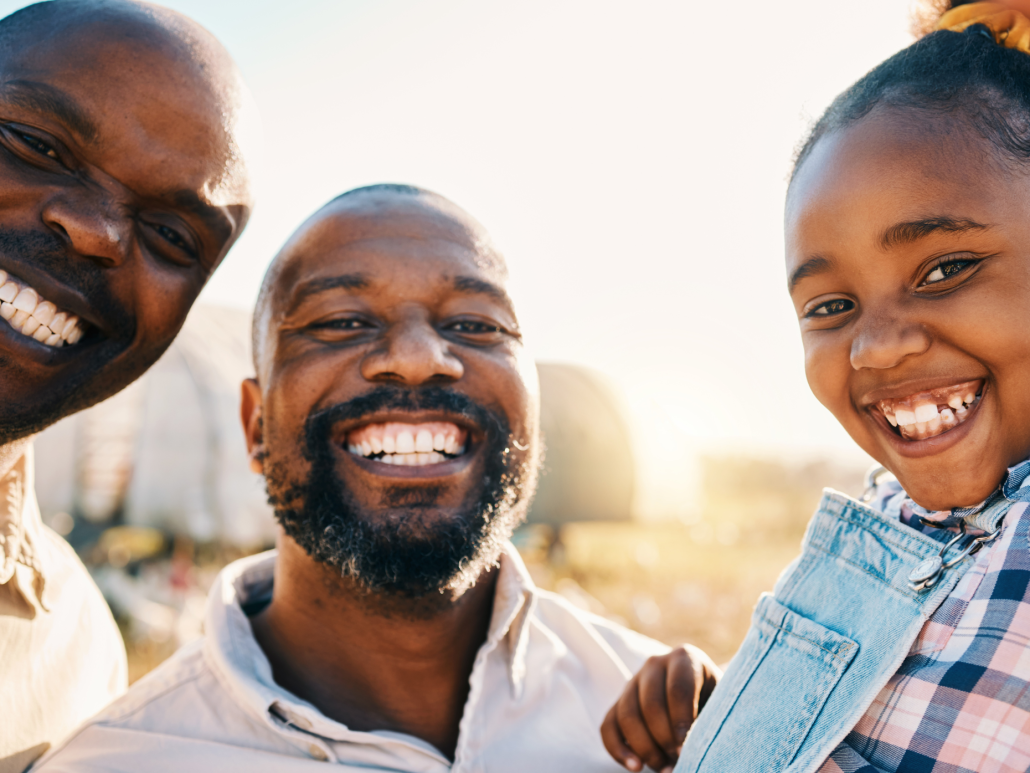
[181, 65]
[414, 226]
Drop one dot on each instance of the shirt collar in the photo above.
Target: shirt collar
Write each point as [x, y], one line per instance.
[985, 516]
[234, 653]
[21, 533]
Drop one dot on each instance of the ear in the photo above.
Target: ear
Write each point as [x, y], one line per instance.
[250, 415]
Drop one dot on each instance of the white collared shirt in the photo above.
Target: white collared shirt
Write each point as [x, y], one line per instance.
[61, 656]
[540, 687]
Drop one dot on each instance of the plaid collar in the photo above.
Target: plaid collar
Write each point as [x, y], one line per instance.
[984, 517]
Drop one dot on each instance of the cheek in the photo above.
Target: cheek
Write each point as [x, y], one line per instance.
[828, 369]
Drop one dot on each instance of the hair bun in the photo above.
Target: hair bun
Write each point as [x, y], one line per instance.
[1007, 27]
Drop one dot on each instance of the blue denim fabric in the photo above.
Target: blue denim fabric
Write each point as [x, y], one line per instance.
[839, 622]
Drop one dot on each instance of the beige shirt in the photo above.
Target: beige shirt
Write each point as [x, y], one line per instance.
[61, 656]
[540, 686]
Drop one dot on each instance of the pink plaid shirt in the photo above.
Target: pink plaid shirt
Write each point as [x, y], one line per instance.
[960, 703]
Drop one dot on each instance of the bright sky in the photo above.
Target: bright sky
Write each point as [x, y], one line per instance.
[629, 158]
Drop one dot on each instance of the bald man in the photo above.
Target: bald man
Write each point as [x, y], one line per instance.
[122, 187]
[394, 417]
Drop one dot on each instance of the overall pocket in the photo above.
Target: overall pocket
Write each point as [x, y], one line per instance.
[758, 717]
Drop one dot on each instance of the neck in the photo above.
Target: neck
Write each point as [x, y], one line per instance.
[408, 670]
[11, 453]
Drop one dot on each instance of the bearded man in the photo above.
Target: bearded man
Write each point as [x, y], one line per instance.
[395, 419]
[122, 187]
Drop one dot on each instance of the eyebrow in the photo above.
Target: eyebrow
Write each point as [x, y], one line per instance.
[45, 98]
[341, 282]
[810, 267]
[906, 233]
[473, 286]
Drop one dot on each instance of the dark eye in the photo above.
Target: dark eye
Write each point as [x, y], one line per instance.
[947, 271]
[468, 326]
[348, 323]
[173, 237]
[38, 145]
[832, 308]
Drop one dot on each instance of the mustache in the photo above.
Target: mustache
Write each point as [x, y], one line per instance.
[319, 424]
[47, 252]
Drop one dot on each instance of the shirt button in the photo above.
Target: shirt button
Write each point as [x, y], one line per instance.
[317, 752]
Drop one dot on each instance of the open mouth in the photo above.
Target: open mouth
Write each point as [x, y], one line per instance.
[31, 316]
[411, 445]
[928, 414]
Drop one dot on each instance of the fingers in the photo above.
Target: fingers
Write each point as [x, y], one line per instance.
[655, 704]
[629, 716]
[684, 678]
[613, 742]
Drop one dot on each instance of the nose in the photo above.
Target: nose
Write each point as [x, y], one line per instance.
[90, 227]
[412, 354]
[883, 341]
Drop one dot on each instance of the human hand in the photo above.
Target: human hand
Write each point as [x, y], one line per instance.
[650, 720]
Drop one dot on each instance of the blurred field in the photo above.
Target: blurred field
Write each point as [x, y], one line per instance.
[691, 580]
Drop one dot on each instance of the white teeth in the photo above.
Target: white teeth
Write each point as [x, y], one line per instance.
[969, 398]
[389, 445]
[366, 449]
[70, 325]
[376, 443]
[45, 313]
[948, 418]
[955, 402]
[439, 442]
[26, 300]
[424, 441]
[30, 326]
[961, 411]
[58, 322]
[905, 417]
[926, 412]
[32, 316]
[891, 419]
[405, 442]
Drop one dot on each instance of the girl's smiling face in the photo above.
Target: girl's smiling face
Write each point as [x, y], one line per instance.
[908, 259]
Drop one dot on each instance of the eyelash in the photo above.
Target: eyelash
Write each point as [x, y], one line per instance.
[814, 312]
[173, 237]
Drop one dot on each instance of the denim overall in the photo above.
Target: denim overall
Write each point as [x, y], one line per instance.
[838, 624]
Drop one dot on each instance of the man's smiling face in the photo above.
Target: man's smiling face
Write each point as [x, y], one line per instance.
[393, 386]
[121, 189]
[908, 250]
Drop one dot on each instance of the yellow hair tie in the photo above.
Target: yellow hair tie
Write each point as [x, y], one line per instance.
[1010, 28]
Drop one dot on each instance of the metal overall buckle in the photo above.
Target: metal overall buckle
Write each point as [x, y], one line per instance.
[927, 573]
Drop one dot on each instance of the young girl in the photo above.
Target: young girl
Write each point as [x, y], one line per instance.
[900, 639]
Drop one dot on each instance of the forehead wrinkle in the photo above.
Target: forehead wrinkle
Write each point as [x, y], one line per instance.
[44, 98]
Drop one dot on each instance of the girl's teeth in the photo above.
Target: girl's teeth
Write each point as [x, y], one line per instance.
[926, 412]
[955, 402]
[905, 417]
